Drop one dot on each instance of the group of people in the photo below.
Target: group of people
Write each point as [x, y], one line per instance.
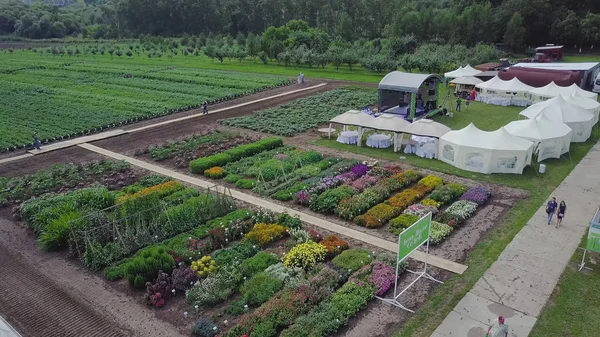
[470, 97]
[554, 208]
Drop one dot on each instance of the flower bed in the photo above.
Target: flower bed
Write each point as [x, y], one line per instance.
[457, 213]
[234, 154]
[448, 193]
[358, 204]
[478, 195]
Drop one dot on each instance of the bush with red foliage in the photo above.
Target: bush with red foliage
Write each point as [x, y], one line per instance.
[159, 291]
[183, 278]
[334, 245]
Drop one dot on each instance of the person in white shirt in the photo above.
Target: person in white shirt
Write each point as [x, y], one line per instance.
[498, 329]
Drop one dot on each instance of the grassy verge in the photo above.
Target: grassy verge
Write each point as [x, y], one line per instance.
[445, 298]
[571, 310]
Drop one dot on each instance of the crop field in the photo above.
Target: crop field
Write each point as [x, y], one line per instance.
[61, 97]
[303, 114]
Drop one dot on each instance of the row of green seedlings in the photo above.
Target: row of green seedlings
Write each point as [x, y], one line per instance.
[55, 177]
[101, 226]
[172, 148]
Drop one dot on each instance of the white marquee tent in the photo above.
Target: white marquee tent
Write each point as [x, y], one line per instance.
[475, 150]
[589, 104]
[364, 122]
[578, 119]
[552, 90]
[551, 139]
[426, 127]
[499, 92]
[462, 72]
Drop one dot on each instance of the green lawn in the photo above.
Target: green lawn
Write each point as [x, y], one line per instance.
[445, 298]
[581, 58]
[573, 308]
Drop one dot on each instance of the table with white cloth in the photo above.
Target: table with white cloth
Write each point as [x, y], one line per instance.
[424, 147]
[380, 141]
[519, 101]
[348, 137]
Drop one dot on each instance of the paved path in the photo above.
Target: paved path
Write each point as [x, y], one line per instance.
[375, 241]
[520, 282]
[6, 330]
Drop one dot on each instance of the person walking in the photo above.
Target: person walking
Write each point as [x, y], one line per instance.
[498, 329]
[467, 101]
[473, 95]
[458, 101]
[36, 142]
[302, 77]
[562, 209]
[205, 108]
[551, 209]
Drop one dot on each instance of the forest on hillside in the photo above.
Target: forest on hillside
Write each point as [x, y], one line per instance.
[516, 23]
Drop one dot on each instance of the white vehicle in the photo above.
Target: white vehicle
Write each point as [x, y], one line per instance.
[597, 84]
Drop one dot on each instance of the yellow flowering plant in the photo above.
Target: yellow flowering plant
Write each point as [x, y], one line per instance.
[305, 255]
[264, 233]
[204, 266]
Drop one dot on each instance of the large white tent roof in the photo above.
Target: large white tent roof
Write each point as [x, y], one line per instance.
[467, 80]
[553, 90]
[538, 129]
[499, 140]
[497, 84]
[558, 109]
[581, 101]
[427, 127]
[409, 82]
[384, 122]
[462, 72]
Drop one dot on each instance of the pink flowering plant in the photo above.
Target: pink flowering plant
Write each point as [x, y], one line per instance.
[363, 182]
[382, 277]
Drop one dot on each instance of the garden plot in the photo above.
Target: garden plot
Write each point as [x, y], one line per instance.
[66, 99]
[306, 113]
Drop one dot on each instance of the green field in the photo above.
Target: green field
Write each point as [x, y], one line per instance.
[62, 96]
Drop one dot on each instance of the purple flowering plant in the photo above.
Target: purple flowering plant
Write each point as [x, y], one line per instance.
[382, 277]
[478, 195]
[359, 170]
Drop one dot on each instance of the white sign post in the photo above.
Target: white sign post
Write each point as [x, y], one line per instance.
[408, 241]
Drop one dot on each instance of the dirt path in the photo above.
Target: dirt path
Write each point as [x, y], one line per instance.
[40, 308]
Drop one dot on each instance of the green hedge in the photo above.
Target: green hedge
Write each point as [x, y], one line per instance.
[234, 154]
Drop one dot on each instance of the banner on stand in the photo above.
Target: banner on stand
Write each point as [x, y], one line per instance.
[593, 239]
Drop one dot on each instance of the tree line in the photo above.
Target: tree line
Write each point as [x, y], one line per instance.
[516, 23]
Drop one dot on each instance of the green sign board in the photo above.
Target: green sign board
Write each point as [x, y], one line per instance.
[593, 240]
[414, 236]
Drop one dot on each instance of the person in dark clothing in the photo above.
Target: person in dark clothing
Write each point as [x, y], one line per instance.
[36, 142]
[551, 209]
[458, 101]
[205, 108]
[562, 209]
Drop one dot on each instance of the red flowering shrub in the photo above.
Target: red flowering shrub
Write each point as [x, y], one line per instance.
[218, 237]
[314, 235]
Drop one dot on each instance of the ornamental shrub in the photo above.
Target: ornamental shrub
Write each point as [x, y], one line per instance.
[328, 200]
[402, 222]
[232, 178]
[183, 278]
[263, 233]
[305, 255]
[457, 213]
[201, 164]
[431, 202]
[236, 253]
[246, 183]
[383, 277]
[204, 266]
[447, 193]
[215, 288]
[478, 195]
[420, 210]
[334, 245]
[439, 232]
[205, 328]
[145, 266]
[431, 181]
[289, 221]
[259, 288]
[352, 259]
[299, 235]
[377, 216]
[258, 263]
[291, 277]
[159, 291]
[216, 172]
